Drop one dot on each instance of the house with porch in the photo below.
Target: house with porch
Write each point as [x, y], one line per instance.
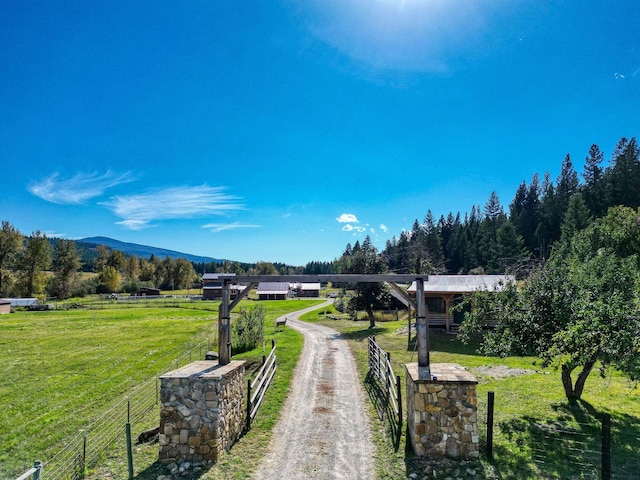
[442, 292]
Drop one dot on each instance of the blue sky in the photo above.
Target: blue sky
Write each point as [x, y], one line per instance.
[281, 131]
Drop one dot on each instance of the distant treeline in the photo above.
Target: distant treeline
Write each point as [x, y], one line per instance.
[486, 240]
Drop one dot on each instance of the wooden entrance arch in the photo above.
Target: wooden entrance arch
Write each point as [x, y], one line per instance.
[226, 306]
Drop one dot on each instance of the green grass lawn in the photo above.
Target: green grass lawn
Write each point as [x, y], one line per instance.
[62, 370]
[529, 409]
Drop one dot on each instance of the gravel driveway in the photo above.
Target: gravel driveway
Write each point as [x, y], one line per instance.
[323, 431]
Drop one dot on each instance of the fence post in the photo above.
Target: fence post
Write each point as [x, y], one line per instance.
[606, 446]
[38, 466]
[248, 419]
[84, 451]
[490, 405]
[387, 373]
[398, 385]
[128, 432]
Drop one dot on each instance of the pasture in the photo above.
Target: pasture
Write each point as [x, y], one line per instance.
[63, 369]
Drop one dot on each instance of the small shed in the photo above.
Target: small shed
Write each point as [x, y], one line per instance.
[5, 306]
[273, 290]
[148, 292]
[442, 292]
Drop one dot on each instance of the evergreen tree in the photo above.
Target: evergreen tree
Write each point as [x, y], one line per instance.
[594, 186]
[623, 175]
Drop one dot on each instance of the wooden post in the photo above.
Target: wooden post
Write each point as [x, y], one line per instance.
[490, 405]
[128, 433]
[224, 324]
[399, 390]
[248, 419]
[606, 446]
[422, 328]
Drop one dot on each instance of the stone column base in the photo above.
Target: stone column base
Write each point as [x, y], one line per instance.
[442, 411]
[202, 411]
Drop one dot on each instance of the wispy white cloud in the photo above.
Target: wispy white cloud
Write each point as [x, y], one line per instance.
[221, 227]
[138, 211]
[351, 228]
[77, 189]
[384, 228]
[347, 218]
[618, 76]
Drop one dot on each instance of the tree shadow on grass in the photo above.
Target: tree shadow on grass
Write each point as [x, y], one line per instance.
[566, 447]
[359, 335]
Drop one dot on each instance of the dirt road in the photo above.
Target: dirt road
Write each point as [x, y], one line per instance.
[324, 432]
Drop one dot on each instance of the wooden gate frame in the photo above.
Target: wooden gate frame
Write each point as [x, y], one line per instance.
[226, 306]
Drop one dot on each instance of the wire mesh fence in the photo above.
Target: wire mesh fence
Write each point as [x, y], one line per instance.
[88, 447]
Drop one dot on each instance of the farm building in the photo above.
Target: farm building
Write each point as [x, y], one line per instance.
[148, 292]
[23, 302]
[5, 306]
[273, 290]
[212, 287]
[307, 289]
[444, 291]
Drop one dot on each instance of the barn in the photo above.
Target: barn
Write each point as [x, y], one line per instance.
[273, 290]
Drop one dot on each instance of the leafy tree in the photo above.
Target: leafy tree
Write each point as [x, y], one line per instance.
[365, 260]
[132, 268]
[32, 263]
[265, 268]
[111, 279]
[579, 308]
[183, 273]
[10, 244]
[66, 263]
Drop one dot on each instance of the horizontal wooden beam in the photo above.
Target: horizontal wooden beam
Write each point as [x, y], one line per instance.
[341, 278]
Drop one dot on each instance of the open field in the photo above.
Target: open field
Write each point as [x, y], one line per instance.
[64, 369]
[530, 409]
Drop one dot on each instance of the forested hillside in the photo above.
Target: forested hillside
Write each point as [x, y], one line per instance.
[495, 239]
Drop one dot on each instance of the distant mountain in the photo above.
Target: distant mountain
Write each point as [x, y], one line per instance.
[144, 251]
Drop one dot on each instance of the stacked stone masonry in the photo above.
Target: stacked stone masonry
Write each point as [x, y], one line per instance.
[202, 412]
[442, 411]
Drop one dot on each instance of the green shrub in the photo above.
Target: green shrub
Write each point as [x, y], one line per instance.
[248, 329]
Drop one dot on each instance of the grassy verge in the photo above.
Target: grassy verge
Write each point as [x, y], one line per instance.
[537, 435]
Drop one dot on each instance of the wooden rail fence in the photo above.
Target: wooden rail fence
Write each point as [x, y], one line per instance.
[381, 370]
[257, 387]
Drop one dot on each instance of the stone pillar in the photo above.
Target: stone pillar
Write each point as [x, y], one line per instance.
[442, 411]
[202, 411]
